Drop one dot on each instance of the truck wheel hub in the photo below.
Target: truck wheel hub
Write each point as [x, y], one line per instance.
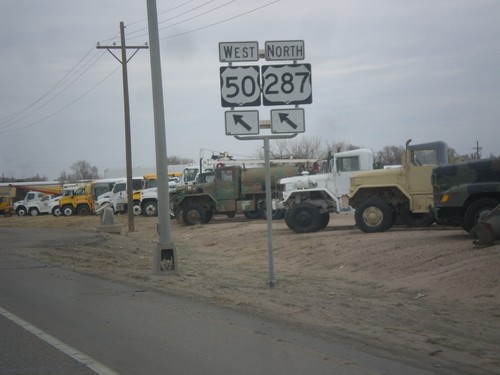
[373, 216]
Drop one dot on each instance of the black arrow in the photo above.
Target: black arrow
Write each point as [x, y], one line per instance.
[238, 119]
[284, 118]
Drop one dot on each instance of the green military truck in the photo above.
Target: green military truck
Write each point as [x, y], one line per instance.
[382, 197]
[232, 189]
[465, 193]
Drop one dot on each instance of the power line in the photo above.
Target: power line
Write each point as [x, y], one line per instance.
[66, 106]
[220, 22]
[87, 66]
[81, 68]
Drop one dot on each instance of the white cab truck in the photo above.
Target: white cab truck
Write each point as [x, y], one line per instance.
[117, 197]
[309, 199]
[35, 203]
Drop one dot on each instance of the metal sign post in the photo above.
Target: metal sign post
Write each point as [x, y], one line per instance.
[241, 86]
[271, 279]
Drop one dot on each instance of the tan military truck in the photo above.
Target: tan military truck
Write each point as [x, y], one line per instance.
[381, 197]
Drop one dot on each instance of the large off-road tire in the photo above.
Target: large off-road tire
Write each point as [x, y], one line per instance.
[373, 215]
[304, 218]
[477, 211]
[21, 211]
[83, 210]
[276, 215]
[34, 211]
[194, 214]
[208, 216]
[252, 215]
[411, 219]
[150, 209]
[324, 220]
[67, 210]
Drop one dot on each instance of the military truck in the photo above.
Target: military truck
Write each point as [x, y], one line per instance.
[309, 199]
[381, 197]
[465, 193]
[233, 189]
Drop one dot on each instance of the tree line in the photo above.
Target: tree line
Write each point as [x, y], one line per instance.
[305, 148]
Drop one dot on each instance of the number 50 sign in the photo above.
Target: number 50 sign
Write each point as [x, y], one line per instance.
[240, 86]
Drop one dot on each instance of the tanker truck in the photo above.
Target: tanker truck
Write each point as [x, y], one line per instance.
[233, 189]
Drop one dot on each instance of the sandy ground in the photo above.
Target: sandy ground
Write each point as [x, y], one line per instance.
[427, 295]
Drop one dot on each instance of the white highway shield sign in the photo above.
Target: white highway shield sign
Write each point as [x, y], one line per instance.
[286, 84]
[240, 86]
[287, 121]
[242, 122]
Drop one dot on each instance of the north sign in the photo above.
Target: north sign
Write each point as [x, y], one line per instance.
[286, 84]
[238, 51]
[278, 50]
[240, 86]
[242, 122]
[287, 121]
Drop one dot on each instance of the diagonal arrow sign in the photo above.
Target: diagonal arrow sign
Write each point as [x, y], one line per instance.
[284, 118]
[238, 119]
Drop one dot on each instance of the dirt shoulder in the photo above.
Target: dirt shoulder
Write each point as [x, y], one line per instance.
[429, 295]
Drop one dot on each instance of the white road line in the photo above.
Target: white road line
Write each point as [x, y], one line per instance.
[72, 352]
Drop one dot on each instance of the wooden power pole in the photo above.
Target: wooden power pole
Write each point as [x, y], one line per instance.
[128, 148]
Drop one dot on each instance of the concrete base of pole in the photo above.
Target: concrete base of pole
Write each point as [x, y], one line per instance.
[165, 259]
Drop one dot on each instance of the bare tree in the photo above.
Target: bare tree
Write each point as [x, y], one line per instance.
[305, 148]
[389, 155]
[175, 160]
[82, 170]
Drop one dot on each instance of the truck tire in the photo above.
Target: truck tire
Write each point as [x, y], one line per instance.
[83, 210]
[413, 220]
[67, 210]
[477, 211]
[150, 209]
[56, 211]
[194, 214]
[276, 215]
[304, 218]
[324, 220]
[373, 215]
[252, 215]
[21, 211]
[34, 211]
[137, 208]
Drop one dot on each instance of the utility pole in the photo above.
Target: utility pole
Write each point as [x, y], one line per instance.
[128, 148]
[478, 150]
[165, 254]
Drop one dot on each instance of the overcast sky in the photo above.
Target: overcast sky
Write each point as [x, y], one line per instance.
[383, 71]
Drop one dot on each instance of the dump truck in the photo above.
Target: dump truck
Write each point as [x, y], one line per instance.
[233, 189]
[381, 197]
[5, 205]
[309, 199]
[465, 193]
[77, 199]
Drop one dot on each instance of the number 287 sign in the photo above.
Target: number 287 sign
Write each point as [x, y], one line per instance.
[281, 85]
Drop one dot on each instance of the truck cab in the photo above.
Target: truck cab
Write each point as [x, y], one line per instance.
[309, 199]
[382, 196]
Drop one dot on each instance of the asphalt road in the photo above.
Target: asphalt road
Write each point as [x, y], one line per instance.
[55, 321]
